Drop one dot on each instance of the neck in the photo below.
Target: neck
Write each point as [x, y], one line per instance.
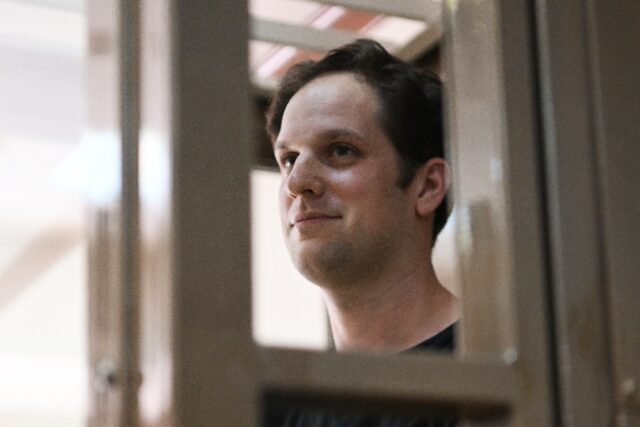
[392, 314]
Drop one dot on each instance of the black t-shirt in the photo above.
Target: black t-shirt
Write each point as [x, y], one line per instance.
[307, 417]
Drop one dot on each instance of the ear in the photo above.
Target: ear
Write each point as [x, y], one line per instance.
[431, 185]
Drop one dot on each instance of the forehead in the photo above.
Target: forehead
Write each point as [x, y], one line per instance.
[336, 101]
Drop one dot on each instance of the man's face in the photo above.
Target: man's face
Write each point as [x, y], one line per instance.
[343, 213]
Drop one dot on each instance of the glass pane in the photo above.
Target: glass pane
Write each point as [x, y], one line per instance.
[43, 322]
[288, 309]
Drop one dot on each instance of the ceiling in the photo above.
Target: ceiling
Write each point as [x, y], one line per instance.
[282, 31]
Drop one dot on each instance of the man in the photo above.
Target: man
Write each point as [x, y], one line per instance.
[358, 139]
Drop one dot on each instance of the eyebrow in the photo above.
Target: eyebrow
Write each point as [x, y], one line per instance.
[326, 135]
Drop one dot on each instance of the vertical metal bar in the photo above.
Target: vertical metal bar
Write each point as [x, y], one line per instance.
[574, 215]
[527, 221]
[104, 218]
[500, 218]
[112, 137]
[197, 351]
[475, 131]
[614, 43]
[130, 112]
[628, 419]
[212, 157]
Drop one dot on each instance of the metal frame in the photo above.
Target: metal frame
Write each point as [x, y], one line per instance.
[420, 10]
[578, 272]
[113, 280]
[327, 39]
[614, 65]
[592, 156]
[300, 36]
[473, 387]
[130, 114]
[498, 196]
[194, 158]
[196, 336]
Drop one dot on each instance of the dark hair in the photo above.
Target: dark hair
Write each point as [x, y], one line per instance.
[410, 101]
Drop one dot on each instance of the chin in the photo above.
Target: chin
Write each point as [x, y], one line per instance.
[321, 264]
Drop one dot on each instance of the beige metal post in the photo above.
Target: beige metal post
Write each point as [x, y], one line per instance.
[112, 132]
[195, 151]
[615, 70]
[500, 217]
[575, 230]
[589, 93]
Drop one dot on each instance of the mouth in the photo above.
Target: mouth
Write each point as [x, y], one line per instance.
[308, 219]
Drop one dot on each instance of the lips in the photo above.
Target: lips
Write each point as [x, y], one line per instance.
[307, 217]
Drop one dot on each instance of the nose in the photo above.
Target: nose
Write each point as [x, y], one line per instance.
[304, 178]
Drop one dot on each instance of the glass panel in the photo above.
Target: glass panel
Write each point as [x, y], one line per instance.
[288, 310]
[43, 322]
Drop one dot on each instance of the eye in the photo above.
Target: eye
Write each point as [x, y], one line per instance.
[342, 150]
[287, 160]
[341, 154]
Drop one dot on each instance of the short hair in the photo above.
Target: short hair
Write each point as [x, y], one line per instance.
[410, 101]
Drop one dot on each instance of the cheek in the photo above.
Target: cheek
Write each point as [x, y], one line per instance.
[367, 186]
[351, 184]
[377, 197]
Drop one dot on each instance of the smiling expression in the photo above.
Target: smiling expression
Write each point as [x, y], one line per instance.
[343, 213]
